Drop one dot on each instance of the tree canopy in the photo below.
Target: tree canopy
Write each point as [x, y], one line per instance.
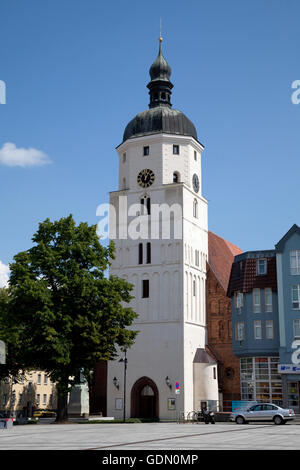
[65, 313]
[9, 334]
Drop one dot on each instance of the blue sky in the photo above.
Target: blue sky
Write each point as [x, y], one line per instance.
[76, 73]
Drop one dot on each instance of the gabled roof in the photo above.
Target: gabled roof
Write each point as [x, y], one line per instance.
[280, 245]
[221, 255]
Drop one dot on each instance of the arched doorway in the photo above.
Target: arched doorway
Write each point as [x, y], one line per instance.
[144, 399]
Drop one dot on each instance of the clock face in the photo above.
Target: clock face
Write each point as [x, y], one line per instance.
[145, 178]
[196, 183]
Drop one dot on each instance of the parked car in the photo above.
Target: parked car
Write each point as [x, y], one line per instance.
[25, 420]
[44, 414]
[263, 412]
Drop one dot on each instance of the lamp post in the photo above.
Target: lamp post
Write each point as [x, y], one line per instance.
[125, 360]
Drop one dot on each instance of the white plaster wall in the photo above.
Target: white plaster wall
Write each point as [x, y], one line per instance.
[205, 385]
[156, 354]
[194, 338]
[160, 159]
[171, 321]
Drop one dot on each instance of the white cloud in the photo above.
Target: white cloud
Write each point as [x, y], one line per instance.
[10, 155]
[4, 274]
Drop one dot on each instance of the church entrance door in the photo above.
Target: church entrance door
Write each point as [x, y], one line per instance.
[144, 399]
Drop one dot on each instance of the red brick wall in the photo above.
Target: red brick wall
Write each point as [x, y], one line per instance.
[98, 389]
[218, 307]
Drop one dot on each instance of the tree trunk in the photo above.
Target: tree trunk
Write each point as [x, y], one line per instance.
[62, 407]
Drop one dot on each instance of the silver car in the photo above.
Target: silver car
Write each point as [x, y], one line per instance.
[263, 412]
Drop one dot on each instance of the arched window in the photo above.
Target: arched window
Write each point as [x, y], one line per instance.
[147, 391]
[195, 208]
[176, 177]
[148, 253]
[146, 203]
[194, 288]
[140, 253]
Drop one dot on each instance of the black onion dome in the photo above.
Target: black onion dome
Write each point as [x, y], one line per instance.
[159, 120]
[160, 69]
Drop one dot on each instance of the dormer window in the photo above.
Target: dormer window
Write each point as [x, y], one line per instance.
[261, 267]
[240, 268]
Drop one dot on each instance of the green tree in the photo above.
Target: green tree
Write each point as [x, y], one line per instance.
[9, 333]
[68, 314]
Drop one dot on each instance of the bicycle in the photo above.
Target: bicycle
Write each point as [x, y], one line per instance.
[195, 416]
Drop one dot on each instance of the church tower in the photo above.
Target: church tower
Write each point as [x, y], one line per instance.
[161, 239]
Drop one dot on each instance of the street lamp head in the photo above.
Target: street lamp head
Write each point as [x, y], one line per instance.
[116, 383]
[125, 360]
[168, 382]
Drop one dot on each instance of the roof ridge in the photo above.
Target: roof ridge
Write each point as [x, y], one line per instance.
[228, 243]
[221, 255]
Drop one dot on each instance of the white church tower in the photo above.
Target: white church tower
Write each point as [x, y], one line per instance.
[168, 369]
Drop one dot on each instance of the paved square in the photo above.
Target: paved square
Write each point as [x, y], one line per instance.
[152, 436]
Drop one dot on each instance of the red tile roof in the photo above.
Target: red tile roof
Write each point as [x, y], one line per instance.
[247, 279]
[221, 255]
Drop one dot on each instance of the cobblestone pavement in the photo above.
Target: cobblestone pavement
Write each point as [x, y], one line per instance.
[155, 436]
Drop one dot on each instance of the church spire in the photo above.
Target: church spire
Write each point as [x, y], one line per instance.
[160, 86]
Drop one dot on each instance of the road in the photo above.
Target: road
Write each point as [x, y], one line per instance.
[151, 436]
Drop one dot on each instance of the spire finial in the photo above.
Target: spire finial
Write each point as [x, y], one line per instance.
[160, 36]
[160, 86]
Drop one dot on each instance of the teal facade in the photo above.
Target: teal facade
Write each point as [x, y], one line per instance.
[288, 279]
[267, 337]
[249, 344]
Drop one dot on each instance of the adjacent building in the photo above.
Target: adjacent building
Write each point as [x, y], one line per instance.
[288, 279]
[264, 288]
[34, 390]
[221, 254]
